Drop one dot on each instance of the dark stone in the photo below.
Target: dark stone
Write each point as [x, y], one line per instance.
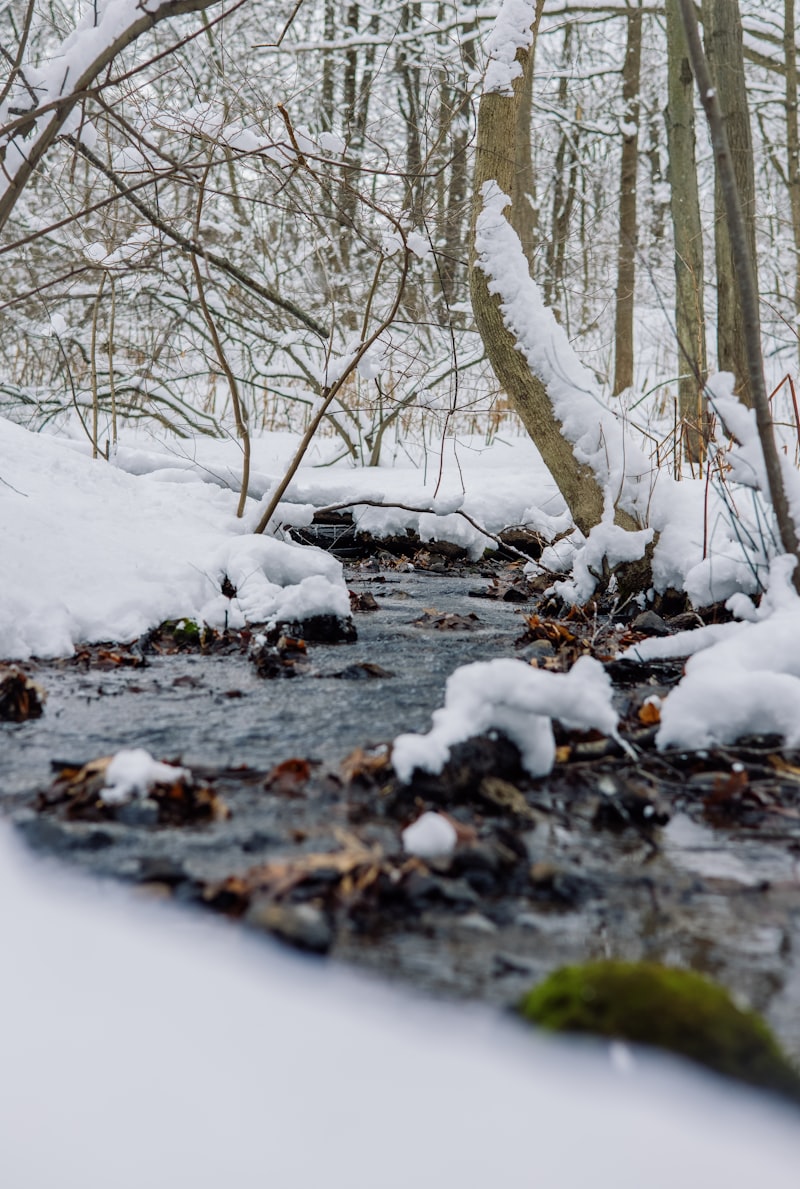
[301, 925]
[651, 623]
[323, 629]
[46, 834]
[138, 812]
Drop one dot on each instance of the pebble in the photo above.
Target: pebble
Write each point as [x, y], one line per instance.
[302, 925]
[651, 623]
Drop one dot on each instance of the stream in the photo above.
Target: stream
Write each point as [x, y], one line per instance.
[606, 857]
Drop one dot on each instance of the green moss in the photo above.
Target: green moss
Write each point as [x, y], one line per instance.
[670, 1009]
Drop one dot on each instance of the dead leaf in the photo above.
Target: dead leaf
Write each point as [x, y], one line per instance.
[288, 778]
[649, 713]
[364, 765]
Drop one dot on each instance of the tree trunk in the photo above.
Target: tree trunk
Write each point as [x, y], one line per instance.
[688, 239]
[722, 28]
[523, 193]
[495, 160]
[626, 259]
[792, 141]
[564, 186]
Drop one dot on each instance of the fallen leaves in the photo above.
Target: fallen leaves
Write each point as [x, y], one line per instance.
[77, 791]
[20, 696]
[447, 622]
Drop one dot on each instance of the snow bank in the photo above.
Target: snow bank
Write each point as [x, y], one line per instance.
[510, 696]
[146, 1046]
[742, 678]
[92, 553]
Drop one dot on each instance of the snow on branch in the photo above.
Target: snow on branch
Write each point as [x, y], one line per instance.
[42, 105]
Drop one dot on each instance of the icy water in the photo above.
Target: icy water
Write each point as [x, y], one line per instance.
[581, 881]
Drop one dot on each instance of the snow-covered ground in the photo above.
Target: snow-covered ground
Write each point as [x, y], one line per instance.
[94, 550]
[143, 1046]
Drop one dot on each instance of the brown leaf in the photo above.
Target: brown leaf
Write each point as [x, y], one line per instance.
[288, 777]
[649, 713]
[364, 765]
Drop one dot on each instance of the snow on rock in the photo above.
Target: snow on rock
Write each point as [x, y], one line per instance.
[91, 553]
[432, 835]
[133, 773]
[512, 697]
[274, 580]
[742, 678]
[607, 541]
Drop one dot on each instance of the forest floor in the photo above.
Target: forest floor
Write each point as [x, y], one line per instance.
[292, 821]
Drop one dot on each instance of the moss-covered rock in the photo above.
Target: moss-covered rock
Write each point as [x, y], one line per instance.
[670, 1009]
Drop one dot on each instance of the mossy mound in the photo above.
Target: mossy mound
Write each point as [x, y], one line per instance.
[676, 1010]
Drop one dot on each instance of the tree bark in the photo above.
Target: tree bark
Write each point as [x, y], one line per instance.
[722, 34]
[792, 141]
[626, 258]
[495, 160]
[688, 240]
[523, 193]
[745, 276]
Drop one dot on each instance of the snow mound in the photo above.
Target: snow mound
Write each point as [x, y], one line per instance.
[742, 678]
[92, 553]
[509, 696]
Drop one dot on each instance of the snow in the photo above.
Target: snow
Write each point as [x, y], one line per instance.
[431, 836]
[597, 436]
[511, 32]
[91, 553]
[742, 678]
[146, 1046]
[133, 773]
[512, 697]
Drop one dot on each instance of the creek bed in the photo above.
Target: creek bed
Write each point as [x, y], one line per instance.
[576, 872]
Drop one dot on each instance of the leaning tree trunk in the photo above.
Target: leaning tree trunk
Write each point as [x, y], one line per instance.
[495, 161]
[722, 29]
[688, 240]
[626, 258]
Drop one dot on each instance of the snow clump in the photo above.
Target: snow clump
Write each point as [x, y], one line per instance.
[510, 696]
[431, 836]
[133, 773]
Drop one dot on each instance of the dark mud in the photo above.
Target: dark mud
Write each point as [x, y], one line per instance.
[684, 859]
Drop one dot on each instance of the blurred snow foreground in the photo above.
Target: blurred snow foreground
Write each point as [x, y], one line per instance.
[143, 1046]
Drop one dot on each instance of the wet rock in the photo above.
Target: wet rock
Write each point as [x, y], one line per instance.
[140, 812]
[537, 650]
[475, 922]
[322, 629]
[21, 697]
[286, 657]
[470, 762]
[161, 869]
[59, 837]
[301, 925]
[561, 888]
[650, 623]
[362, 671]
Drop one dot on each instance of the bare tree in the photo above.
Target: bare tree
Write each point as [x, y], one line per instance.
[628, 233]
[722, 34]
[688, 240]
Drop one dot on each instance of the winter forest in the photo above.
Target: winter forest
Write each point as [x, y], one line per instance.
[465, 336]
